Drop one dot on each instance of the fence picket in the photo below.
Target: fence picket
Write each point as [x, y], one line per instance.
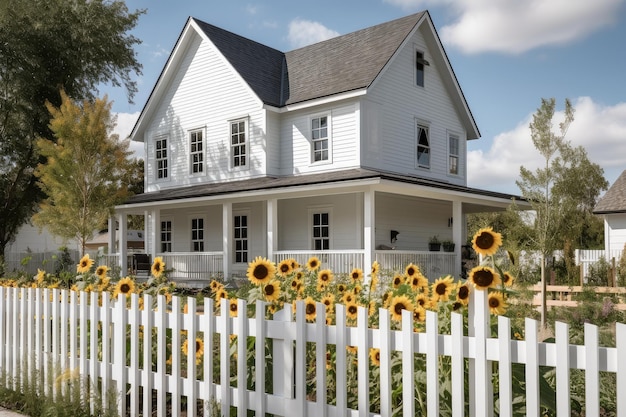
[363, 361]
[241, 330]
[148, 321]
[225, 323]
[260, 400]
[620, 345]
[408, 366]
[563, 406]
[458, 366]
[160, 383]
[174, 378]
[320, 361]
[299, 405]
[592, 368]
[532, 368]
[505, 392]
[341, 365]
[384, 338]
[190, 388]
[134, 320]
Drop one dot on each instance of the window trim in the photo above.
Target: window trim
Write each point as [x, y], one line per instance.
[329, 147]
[202, 152]
[201, 240]
[170, 232]
[420, 124]
[320, 210]
[417, 64]
[168, 166]
[246, 144]
[234, 249]
[457, 155]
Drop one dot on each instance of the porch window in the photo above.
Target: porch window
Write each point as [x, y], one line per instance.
[453, 155]
[423, 146]
[238, 143]
[319, 138]
[240, 236]
[161, 158]
[196, 151]
[197, 235]
[166, 236]
[321, 231]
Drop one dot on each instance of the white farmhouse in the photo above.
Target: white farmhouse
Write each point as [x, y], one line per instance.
[353, 149]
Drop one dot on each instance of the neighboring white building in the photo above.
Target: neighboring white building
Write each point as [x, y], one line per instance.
[30, 239]
[325, 150]
[612, 207]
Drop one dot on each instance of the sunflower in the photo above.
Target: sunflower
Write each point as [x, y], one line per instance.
[103, 283]
[442, 287]
[399, 303]
[352, 349]
[295, 284]
[422, 300]
[233, 307]
[462, 293]
[351, 310]
[371, 308]
[486, 242]
[271, 290]
[285, 267]
[101, 271]
[375, 268]
[324, 277]
[313, 264]
[341, 288]
[412, 270]
[497, 303]
[41, 275]
[419, 314]
[373, 283]
[508, 279]
[199, 349]
[375, 356]
[418, 282]
[260, 271]
[219, 294]
[484, 277]
[398, 280]
[124, 286]
[356, 275]
[294, 264]
[158, 267]
[347, 298]
[310, 308]
[328, 300]
[215, 285]
[84, 265]
[386, 298]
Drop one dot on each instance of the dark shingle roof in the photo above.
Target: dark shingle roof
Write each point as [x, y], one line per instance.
[338, 65]
[614, 201]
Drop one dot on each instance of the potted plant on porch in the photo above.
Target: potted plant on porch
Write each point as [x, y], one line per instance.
[434, 244]
[448, 246]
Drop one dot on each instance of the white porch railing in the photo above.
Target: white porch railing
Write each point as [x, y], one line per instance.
[193, 267]
[585, 258]
[432, 264]
[339, 261]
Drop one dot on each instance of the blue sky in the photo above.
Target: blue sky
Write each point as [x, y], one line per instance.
[507, 55]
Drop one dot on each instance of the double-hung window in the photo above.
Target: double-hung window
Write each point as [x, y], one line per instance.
[161, 158]
[423, 146]
[240, 237]
[166, 236]
[197, 235]
[238, 143]
[196, 152]
[319, 138]
[453, 155]
[321, 230]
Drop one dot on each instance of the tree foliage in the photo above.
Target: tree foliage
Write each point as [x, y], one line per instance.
[86, 171]
[45, 46]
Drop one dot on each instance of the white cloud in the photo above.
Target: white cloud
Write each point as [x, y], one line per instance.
[513, 26]
[124, 127]
[305, 32]
[600, 129]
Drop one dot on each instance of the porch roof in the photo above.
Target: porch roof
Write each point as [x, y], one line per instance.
[275, 183]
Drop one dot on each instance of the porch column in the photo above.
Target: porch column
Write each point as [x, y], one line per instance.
[272, 228]
[457, 234]
[153, 243]
[123, 243]
[111, 242]
[369, 231]
[227, 236]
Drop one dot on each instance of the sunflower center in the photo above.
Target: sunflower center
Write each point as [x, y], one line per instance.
[352, 309]
[125, 288]
[324, 277]
[463, 292]
[310, 308]
[284, 268]
[157, 267]
[410, 271]
[269, 289]
[398, 308]
[355, 276]
[313, 264]
[485, 240]
[415, 282]
[233, 307]
[441, 288]
[260, 272]
[494, 302]
[198, 346]
[483, 277]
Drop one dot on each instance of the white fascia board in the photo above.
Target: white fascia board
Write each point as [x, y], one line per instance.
[317, 102]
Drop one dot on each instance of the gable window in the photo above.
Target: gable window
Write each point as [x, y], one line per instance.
[197, 235]
[453, 155]
[161, 158]
[319, 137]
[166, 236]
[420, 63]
[240, 237]
[196, 151]
[423, 146]
[238, 143]
[321, 231]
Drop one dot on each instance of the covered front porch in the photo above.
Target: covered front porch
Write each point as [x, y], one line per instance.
[347, 224]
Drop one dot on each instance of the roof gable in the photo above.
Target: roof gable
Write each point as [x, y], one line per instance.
[614, 200]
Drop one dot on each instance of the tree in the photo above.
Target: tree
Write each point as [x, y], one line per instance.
[560, 192]
[86, 169]
[47, 45]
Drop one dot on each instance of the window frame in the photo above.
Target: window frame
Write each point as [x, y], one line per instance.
[165, 159]
[313, 211]
[166, 244]
[419, 127]
[457, 155]
[202, 155]
[197, 243]
[235, 148]
[246, 239]
[419, 68]
[328, 139]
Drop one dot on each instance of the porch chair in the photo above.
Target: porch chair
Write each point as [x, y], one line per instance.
[141, 265]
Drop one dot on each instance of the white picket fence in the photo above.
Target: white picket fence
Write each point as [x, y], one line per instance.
[103, 340]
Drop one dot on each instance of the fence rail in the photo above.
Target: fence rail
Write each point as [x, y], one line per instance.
[119, 346]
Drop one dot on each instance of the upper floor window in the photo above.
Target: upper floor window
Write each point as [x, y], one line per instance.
[240, 238]
[161, 158]
[166, 236]
[196, 151]
[420, 63]
[319, 136]
[453, 154]
[321, 231]
[423, 146]
[238, 143]
[197, 235]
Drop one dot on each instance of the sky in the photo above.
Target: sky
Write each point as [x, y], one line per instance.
[506, 54]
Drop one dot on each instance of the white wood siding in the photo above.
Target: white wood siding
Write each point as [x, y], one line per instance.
[343, 136]
[274, 143]
[390, 142]
[205, 93]
[617, 231]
